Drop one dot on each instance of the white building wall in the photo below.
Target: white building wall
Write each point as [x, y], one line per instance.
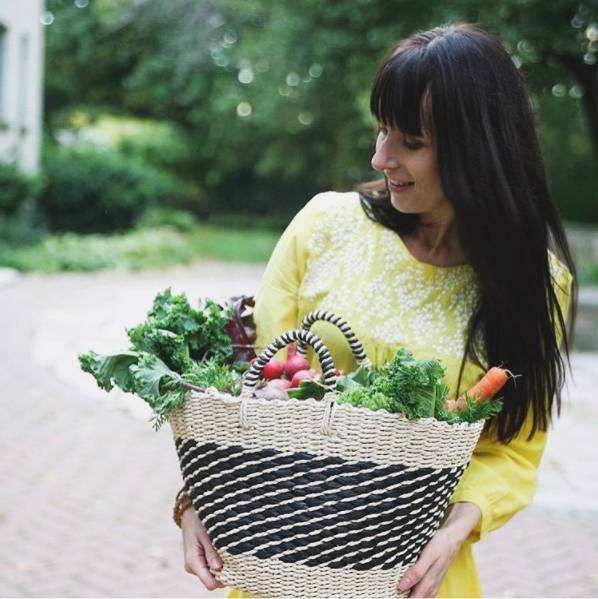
[21, 78]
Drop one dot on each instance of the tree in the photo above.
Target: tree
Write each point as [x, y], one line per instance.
[275, 94]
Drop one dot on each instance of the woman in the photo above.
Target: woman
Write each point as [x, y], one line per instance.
[452, 255]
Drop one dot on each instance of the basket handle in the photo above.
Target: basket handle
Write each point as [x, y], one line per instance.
[345, 329]
[306, 337]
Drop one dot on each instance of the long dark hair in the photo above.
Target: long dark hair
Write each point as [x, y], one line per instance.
[458, 83]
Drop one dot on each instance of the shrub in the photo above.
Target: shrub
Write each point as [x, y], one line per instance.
[160, 216]
[159, 143]
[16, 189]
[20, 230]
[71, 252]
[89, 190]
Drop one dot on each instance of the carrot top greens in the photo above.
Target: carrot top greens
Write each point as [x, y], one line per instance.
[411, 387]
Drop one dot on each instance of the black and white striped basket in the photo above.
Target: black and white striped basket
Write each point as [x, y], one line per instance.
[311, 498]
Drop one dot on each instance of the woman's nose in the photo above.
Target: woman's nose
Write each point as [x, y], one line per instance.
[383, 159]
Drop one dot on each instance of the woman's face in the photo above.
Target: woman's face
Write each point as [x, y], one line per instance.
[404, 158]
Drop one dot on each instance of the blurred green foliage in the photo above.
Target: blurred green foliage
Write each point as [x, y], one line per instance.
[161, 144]
[73, 252]
[155, 247]
[20, 222]
[90, 190]
[272, 96]
[16, 189]
[159, 114]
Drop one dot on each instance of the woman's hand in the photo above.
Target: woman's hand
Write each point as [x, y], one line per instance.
[198, 550]
[426, 575]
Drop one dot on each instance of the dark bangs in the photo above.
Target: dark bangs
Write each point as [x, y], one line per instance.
[400, 95]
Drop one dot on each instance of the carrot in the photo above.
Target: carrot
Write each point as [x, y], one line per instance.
[488, 386]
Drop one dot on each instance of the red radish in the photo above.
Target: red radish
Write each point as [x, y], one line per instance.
[273, 369]
[291, 350]
[303, 375]
[271, 392]
[295, 364]
[282, 383]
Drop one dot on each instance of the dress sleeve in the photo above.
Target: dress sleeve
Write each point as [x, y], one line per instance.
[276, 302]
[501, 479]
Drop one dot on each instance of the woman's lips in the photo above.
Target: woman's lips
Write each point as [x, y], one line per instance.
[397, 187]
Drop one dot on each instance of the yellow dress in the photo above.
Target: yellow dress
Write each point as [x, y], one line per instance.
[332, 257]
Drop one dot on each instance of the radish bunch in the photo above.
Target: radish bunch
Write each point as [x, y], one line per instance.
[280, 376]
[290, 373]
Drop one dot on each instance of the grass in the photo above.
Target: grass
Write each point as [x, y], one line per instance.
[159, 247]
[233, 245]
[588, 273]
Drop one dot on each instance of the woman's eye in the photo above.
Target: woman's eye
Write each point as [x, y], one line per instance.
[413, 145]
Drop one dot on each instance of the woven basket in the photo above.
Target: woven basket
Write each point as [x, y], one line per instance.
[310, 498]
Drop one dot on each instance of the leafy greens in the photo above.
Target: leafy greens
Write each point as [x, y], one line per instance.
[175, 345]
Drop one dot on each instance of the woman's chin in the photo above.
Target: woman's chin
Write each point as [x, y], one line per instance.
[398, 203]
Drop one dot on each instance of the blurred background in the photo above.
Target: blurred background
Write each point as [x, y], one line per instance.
[199, 119]
[155, 143]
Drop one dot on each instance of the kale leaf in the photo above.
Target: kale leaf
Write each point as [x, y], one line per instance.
[404, 385]
[179, 334]
[174, 345]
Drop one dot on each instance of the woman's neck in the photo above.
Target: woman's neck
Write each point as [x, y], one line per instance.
[436, 244]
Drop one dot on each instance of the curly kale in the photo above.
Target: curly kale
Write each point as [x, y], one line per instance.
[176, 343]
[404, 385]
[212, 374]
[472, 412]
[110, 370]
[410, 387]
[179, 335]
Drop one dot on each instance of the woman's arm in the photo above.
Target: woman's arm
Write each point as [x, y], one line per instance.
[500, 481]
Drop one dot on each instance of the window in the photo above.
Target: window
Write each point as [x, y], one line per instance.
[2, 70]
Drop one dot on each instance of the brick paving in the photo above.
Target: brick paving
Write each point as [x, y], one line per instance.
[87, 485]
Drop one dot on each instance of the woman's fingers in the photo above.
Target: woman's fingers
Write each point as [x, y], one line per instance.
[199, 552]
[425, 576]
[211, 554]
[416, 572]
[195, 563]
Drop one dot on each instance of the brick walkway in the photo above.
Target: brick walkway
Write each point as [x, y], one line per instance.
[87, 485]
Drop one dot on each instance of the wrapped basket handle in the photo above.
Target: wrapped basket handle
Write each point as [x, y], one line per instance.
[345, 329]
[306, 337]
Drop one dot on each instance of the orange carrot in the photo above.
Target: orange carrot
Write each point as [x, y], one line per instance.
[488, 386]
